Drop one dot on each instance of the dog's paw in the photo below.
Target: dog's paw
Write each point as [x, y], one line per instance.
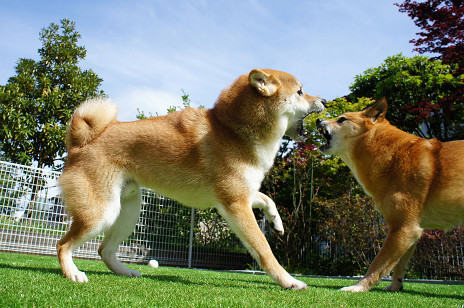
[278, 225]
[295, 284]
[134, 273]
[355, 288]
[395, 286]
[128, 272]
[78, 277]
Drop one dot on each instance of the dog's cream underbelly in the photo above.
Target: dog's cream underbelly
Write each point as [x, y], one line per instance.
[442, 216]
[189, 193]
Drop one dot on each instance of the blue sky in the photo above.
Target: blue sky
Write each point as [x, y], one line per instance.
[148, 51]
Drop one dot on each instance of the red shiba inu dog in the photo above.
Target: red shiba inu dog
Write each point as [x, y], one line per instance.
[415, 183]
[201, 158]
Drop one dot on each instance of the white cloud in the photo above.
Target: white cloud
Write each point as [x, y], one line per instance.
[145, 99]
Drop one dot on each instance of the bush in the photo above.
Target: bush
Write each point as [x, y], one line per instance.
[439, 255]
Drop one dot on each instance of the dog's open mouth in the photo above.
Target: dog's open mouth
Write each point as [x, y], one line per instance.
[327, 137]
[302, 133]
[300, 130]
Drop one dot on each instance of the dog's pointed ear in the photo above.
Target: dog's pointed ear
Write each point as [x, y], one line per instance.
[264, 83]
[378, 111]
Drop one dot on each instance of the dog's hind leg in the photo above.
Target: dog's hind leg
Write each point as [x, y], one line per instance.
[261, 201]
[94, 208]
[399, 271]
[121, 229]
[241, 220]
[88, 221]
[78, 234]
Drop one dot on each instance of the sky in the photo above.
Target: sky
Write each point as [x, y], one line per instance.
[148, 51]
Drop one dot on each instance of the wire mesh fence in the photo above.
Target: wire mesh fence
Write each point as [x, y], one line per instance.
[33, 219]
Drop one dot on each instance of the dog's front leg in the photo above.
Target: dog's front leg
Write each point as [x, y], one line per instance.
[398, 242]
[261, 201]
[241, 220]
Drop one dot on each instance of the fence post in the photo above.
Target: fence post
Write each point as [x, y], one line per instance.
[192, 221]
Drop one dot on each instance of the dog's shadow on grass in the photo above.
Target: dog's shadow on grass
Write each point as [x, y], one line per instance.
[405, 291]
[214, 282]
[31, 268]
[47, 270]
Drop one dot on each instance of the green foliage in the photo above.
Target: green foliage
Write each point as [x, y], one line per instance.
[141, 115]
[418, 92]
[37, 103]
[354, 225]
[439, 254]
[186, 102]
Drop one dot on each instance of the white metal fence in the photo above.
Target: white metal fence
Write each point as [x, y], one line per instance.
[32, 220]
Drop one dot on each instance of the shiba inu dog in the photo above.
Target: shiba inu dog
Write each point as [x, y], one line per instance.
[201, 158]
[415, 183]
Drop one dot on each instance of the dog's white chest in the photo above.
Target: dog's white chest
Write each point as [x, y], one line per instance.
[254, 176]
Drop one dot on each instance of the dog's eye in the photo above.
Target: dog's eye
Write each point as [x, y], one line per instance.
[341, 120]
[300, 92]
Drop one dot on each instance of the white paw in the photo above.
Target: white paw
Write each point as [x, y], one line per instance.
[295, 284]
[278, 225]
[355, 288]
[78, 277]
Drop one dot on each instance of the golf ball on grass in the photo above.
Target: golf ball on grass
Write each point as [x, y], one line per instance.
[153, 263]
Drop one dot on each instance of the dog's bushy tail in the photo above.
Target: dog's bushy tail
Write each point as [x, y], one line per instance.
[89, 120]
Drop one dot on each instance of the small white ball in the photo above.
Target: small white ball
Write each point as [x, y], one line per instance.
[153, 263]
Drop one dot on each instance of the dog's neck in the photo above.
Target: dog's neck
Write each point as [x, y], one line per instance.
[260, 140]
[261, 131]
[374, 154]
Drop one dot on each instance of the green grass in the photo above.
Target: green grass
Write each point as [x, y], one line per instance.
[36, 281]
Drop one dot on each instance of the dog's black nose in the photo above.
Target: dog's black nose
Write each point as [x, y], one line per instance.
[324, 102]
[318, 121]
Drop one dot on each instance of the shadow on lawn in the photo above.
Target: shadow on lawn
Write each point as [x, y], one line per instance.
[31, 268]
[49, 270]
[405, 291]
[214, 282]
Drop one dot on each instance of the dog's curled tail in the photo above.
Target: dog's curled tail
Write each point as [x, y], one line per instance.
[89, 120]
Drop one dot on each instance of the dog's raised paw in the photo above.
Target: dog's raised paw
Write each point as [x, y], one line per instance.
[278, 226]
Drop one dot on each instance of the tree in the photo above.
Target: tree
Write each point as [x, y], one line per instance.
[442, 24]
[416, 90]
[37, 103]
